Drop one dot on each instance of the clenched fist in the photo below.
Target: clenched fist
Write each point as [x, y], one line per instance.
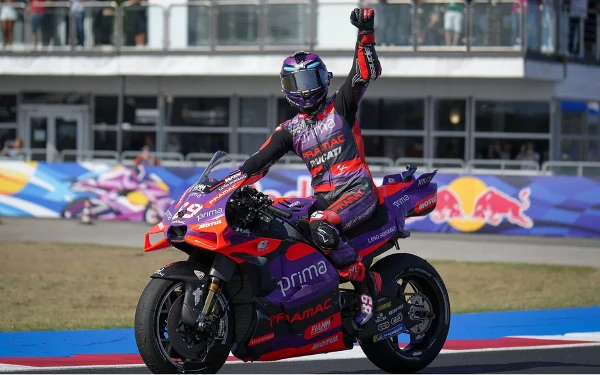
[363, 19]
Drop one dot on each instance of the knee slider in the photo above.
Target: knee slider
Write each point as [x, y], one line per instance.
[323, 233]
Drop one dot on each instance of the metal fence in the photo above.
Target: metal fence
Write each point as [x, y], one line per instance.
[259, 25]
[376, 164]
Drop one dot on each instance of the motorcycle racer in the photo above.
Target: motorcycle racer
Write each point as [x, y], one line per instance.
[326, 135]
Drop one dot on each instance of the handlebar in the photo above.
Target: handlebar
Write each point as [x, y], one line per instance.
[279, 212]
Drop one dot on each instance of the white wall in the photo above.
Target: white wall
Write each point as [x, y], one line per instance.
[506, 89]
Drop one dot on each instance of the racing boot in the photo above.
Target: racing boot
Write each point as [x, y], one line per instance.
[367, 284]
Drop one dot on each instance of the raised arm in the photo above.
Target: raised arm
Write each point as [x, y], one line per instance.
[257, 165]
[365, 67]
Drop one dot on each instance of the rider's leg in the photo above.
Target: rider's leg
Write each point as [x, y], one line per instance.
[324, 230]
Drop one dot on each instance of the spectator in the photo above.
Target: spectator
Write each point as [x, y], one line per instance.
[8, 16]
[38, 12]
[14, 149]
[531, 22]
[137, 24]
[453, 23]
[427, 23]
[104, 19]
[79, 15]
[528, 153]
[145, 158]
[173, 144]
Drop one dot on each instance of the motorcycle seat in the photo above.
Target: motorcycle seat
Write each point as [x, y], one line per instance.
[377, 220]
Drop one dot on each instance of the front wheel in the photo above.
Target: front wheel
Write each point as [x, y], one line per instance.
[158, 323]
[422, 287]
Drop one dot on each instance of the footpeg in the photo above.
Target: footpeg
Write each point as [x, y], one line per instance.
[405, 234]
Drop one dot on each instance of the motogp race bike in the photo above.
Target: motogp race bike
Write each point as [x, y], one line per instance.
[256, 286]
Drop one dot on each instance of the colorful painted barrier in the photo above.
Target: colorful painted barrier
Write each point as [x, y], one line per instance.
[518, 205]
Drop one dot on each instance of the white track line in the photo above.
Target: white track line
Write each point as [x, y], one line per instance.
[355, 353]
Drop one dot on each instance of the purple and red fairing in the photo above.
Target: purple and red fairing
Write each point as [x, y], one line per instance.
[295, 286]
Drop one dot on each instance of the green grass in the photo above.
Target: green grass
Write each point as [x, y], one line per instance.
[80, 286]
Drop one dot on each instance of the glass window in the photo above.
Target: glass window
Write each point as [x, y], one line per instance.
[6, 135]
[197, 142]
[105, 140]
[573, 117]
[106, 110]
[572, 149]
[237, 24]
[199, 112]
[250, 143]
[512, 117]
[593, 152]
[55, 98]
[141, 110]
[392, 114]
[253, 112]
[449, 147]
[512, 149]
[134, 141]
[393, 147]
[450, 114]
[8, 108]
[285, 111]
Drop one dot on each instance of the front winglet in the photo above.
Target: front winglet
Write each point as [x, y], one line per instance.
[162, 244]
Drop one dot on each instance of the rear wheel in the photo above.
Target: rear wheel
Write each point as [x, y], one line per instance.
[424, 289]
[158, 323]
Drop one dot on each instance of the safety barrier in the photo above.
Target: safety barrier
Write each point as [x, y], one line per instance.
[377, 164]
[261, 25]
[508, 205]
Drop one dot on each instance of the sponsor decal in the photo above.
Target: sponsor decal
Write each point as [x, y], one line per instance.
[326, 156]
[383, 234]
[201, 187]
[301, 277]
[221, 195]
[195, 195]
[392, 332]
[401, 201]
[426, 203]
[392, 312]
[325, 342]
[371, 62]
[197, 296]
[425, 181]
[341, 168]
[384, 306]
[383, 326]
[210, 224]
[178, 222]
[234, 177]
[366, 213]
[326, 145]
[161, 226]
[347, 200]
[160, 271]
[322, 326]
[205, 214]
[262, 339]
[317, 129]
[317, 215]
[397, 319]
[294, 204]
[263, 245]
[168, 215]
[308, 313]
[380, 318]
[199, 274]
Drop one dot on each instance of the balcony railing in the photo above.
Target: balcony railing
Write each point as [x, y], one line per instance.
[376, 164]
[259, 25]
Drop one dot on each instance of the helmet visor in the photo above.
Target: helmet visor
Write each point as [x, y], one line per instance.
[304, 80]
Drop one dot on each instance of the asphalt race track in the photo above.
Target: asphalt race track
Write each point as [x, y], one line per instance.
[582, 358]
[440, 246]
[573, 360]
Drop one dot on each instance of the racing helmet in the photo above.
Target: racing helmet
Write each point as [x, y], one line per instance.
[305, 81]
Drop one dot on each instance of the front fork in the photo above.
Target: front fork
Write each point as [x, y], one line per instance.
[220, 273]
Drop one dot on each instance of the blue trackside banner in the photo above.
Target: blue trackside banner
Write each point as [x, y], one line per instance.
[518, 205]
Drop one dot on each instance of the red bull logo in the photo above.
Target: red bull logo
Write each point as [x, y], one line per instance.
[467, 204]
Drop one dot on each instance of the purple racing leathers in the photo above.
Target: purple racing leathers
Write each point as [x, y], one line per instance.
[329, 142]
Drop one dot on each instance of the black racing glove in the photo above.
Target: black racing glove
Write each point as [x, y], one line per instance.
[364, 20]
